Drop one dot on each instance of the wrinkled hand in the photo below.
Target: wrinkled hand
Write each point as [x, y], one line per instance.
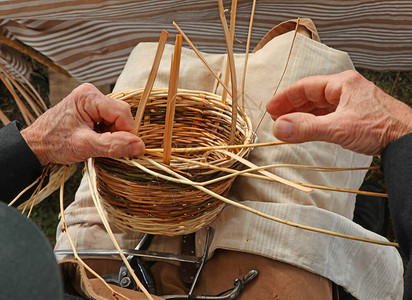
[67, 133]
[344, 109]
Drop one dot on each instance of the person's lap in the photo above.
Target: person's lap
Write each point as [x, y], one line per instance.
[276, 280]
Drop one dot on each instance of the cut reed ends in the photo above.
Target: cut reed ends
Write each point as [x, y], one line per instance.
[135, 199]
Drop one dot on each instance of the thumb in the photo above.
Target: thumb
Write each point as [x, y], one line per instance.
[113, 144]
[304, 127]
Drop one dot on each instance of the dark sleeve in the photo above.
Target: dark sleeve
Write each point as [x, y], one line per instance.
[19, 166]
[397, 168]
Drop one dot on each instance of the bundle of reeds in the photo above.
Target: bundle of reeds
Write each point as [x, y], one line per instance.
[138, 200]
[31, 105]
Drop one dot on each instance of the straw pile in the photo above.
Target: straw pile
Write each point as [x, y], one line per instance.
[137, 200]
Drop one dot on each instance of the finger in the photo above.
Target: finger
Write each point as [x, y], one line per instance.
[115, 114]
[92, 104]
[113, 145]
[305, 127]
[309, 93]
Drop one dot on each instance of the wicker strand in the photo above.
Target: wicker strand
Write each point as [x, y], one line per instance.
[76, 256]
[150, 82]
[231, 59]
[97, 204]
[204, 149]
[232, 36]
[252, 15]
[279, 220]
[268, 174]
[284, 70]
[201, 57]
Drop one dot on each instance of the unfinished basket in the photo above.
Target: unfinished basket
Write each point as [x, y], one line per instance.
[140, 201]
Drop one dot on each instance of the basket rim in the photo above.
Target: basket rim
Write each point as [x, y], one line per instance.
[161, 92]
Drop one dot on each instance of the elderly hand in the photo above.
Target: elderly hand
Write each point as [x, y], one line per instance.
[344, 109]
[67, 133]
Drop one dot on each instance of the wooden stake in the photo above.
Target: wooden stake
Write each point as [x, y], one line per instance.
[34, 196]
[171, 99]
[343, 190]
[232, 71]
[293, 166]
[150, 81]
[394, 83]
[201, 57]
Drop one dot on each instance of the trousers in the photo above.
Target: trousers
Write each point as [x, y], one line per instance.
[276, 280]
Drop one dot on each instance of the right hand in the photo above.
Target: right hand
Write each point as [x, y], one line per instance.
[66, 133]
[344, 109]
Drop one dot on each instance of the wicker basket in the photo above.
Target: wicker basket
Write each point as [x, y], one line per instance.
[142, 202]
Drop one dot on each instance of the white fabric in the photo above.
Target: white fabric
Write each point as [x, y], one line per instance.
[367, 271]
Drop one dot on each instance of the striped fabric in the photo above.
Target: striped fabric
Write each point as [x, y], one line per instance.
[92, 39]
[14, 61]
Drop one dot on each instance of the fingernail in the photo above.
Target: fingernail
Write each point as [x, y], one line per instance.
[135, 149]
[284, 129]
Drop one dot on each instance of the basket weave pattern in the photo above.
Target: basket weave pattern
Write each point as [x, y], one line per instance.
[140, 201]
